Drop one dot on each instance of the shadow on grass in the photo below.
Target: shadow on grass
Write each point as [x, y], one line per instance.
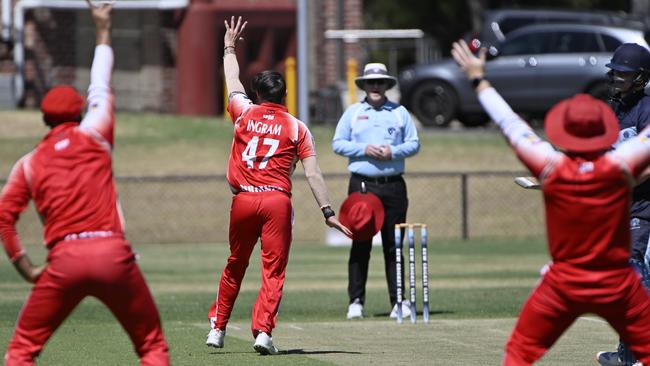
[231, 352]
[303, 352]
[298, 351]
[419, 313]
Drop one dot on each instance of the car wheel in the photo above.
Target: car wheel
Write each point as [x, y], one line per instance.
[434, 103]
[475, 119]
[600, 90]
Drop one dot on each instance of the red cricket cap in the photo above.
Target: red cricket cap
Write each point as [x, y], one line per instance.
[581, 124]
[62, 104]
[363, 214]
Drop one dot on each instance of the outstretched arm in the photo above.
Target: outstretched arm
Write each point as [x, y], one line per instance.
[319, 190]
[531, 150]
[634, 155]
[100, 118]
[230, 65]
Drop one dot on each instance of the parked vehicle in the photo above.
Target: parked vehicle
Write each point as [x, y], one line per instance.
[497, 24]
[534, 68]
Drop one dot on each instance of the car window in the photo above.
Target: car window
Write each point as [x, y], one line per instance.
[509, 24]
[574, 42]
[611, 43]
[525, 44]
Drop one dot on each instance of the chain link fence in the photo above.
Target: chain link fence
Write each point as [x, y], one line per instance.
[195, 209]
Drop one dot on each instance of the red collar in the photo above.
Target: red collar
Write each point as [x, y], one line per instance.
[275, 106]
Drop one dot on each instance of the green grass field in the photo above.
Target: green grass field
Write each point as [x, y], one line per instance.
[477, 288]
[153, 144]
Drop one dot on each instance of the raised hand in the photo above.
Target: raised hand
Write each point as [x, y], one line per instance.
[233, 31]
[102, 17]
[101, 14]
[472, 66]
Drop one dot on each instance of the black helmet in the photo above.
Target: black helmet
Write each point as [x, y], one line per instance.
[630, 57]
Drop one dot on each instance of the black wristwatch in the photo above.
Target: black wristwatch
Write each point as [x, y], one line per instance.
[327, 211]
[477, 81]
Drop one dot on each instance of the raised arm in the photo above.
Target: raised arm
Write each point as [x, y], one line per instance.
[238, 101]
[634, 154]
[535, 153]
[230, 65]
[100, 116]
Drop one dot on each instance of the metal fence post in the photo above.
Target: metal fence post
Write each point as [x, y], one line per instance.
[463, 194]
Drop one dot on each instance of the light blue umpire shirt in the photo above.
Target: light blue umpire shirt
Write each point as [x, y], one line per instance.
[361, 124]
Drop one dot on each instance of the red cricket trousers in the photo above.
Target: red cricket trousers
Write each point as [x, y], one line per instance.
[618, 297]
[266, 216]
[104, 268]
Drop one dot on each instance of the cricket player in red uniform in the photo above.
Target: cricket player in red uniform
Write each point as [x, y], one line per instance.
[69, 177]
[587, 191]
[267, 143]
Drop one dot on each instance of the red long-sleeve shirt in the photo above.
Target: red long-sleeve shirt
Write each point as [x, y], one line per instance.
[69, 173]
[587, 201]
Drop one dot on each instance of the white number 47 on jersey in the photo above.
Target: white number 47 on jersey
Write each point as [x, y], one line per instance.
[249, 154]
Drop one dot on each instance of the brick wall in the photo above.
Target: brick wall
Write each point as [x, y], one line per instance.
[331, 67]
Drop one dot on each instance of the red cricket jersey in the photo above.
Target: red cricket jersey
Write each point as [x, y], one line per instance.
[587, 200]
[578, 194]
[69, 174]
[267, 143]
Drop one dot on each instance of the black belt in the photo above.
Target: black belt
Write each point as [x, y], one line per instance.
[379, 180]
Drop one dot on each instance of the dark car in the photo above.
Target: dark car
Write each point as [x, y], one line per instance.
[497, 24]
[534, 68]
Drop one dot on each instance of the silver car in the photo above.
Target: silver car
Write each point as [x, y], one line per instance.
[534, 68]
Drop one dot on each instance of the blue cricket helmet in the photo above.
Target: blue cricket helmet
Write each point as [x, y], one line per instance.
[630, 57]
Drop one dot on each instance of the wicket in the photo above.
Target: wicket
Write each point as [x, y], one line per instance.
[425, 269]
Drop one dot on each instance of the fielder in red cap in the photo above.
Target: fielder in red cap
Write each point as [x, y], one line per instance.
[69, 176]
[587, 190]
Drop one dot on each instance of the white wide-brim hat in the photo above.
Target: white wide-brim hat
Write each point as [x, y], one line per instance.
[373, 71]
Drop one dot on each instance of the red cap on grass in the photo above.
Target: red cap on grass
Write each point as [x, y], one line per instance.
[363, 214]
[581, 124]
[62, 104]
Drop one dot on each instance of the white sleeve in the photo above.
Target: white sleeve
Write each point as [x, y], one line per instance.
[535, 153]
[100, 117]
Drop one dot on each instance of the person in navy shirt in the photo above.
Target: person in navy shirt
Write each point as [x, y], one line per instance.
[376, 135]
[629, 74]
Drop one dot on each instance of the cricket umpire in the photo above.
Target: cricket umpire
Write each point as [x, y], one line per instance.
[376, 135]
[629, 74]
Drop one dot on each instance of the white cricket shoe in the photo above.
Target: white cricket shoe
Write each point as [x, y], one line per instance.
[215, 338]
[355, 310]
[264, 345]
[609, 359]
[406, 310]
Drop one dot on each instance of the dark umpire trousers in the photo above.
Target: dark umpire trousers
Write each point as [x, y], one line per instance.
[392, 193]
